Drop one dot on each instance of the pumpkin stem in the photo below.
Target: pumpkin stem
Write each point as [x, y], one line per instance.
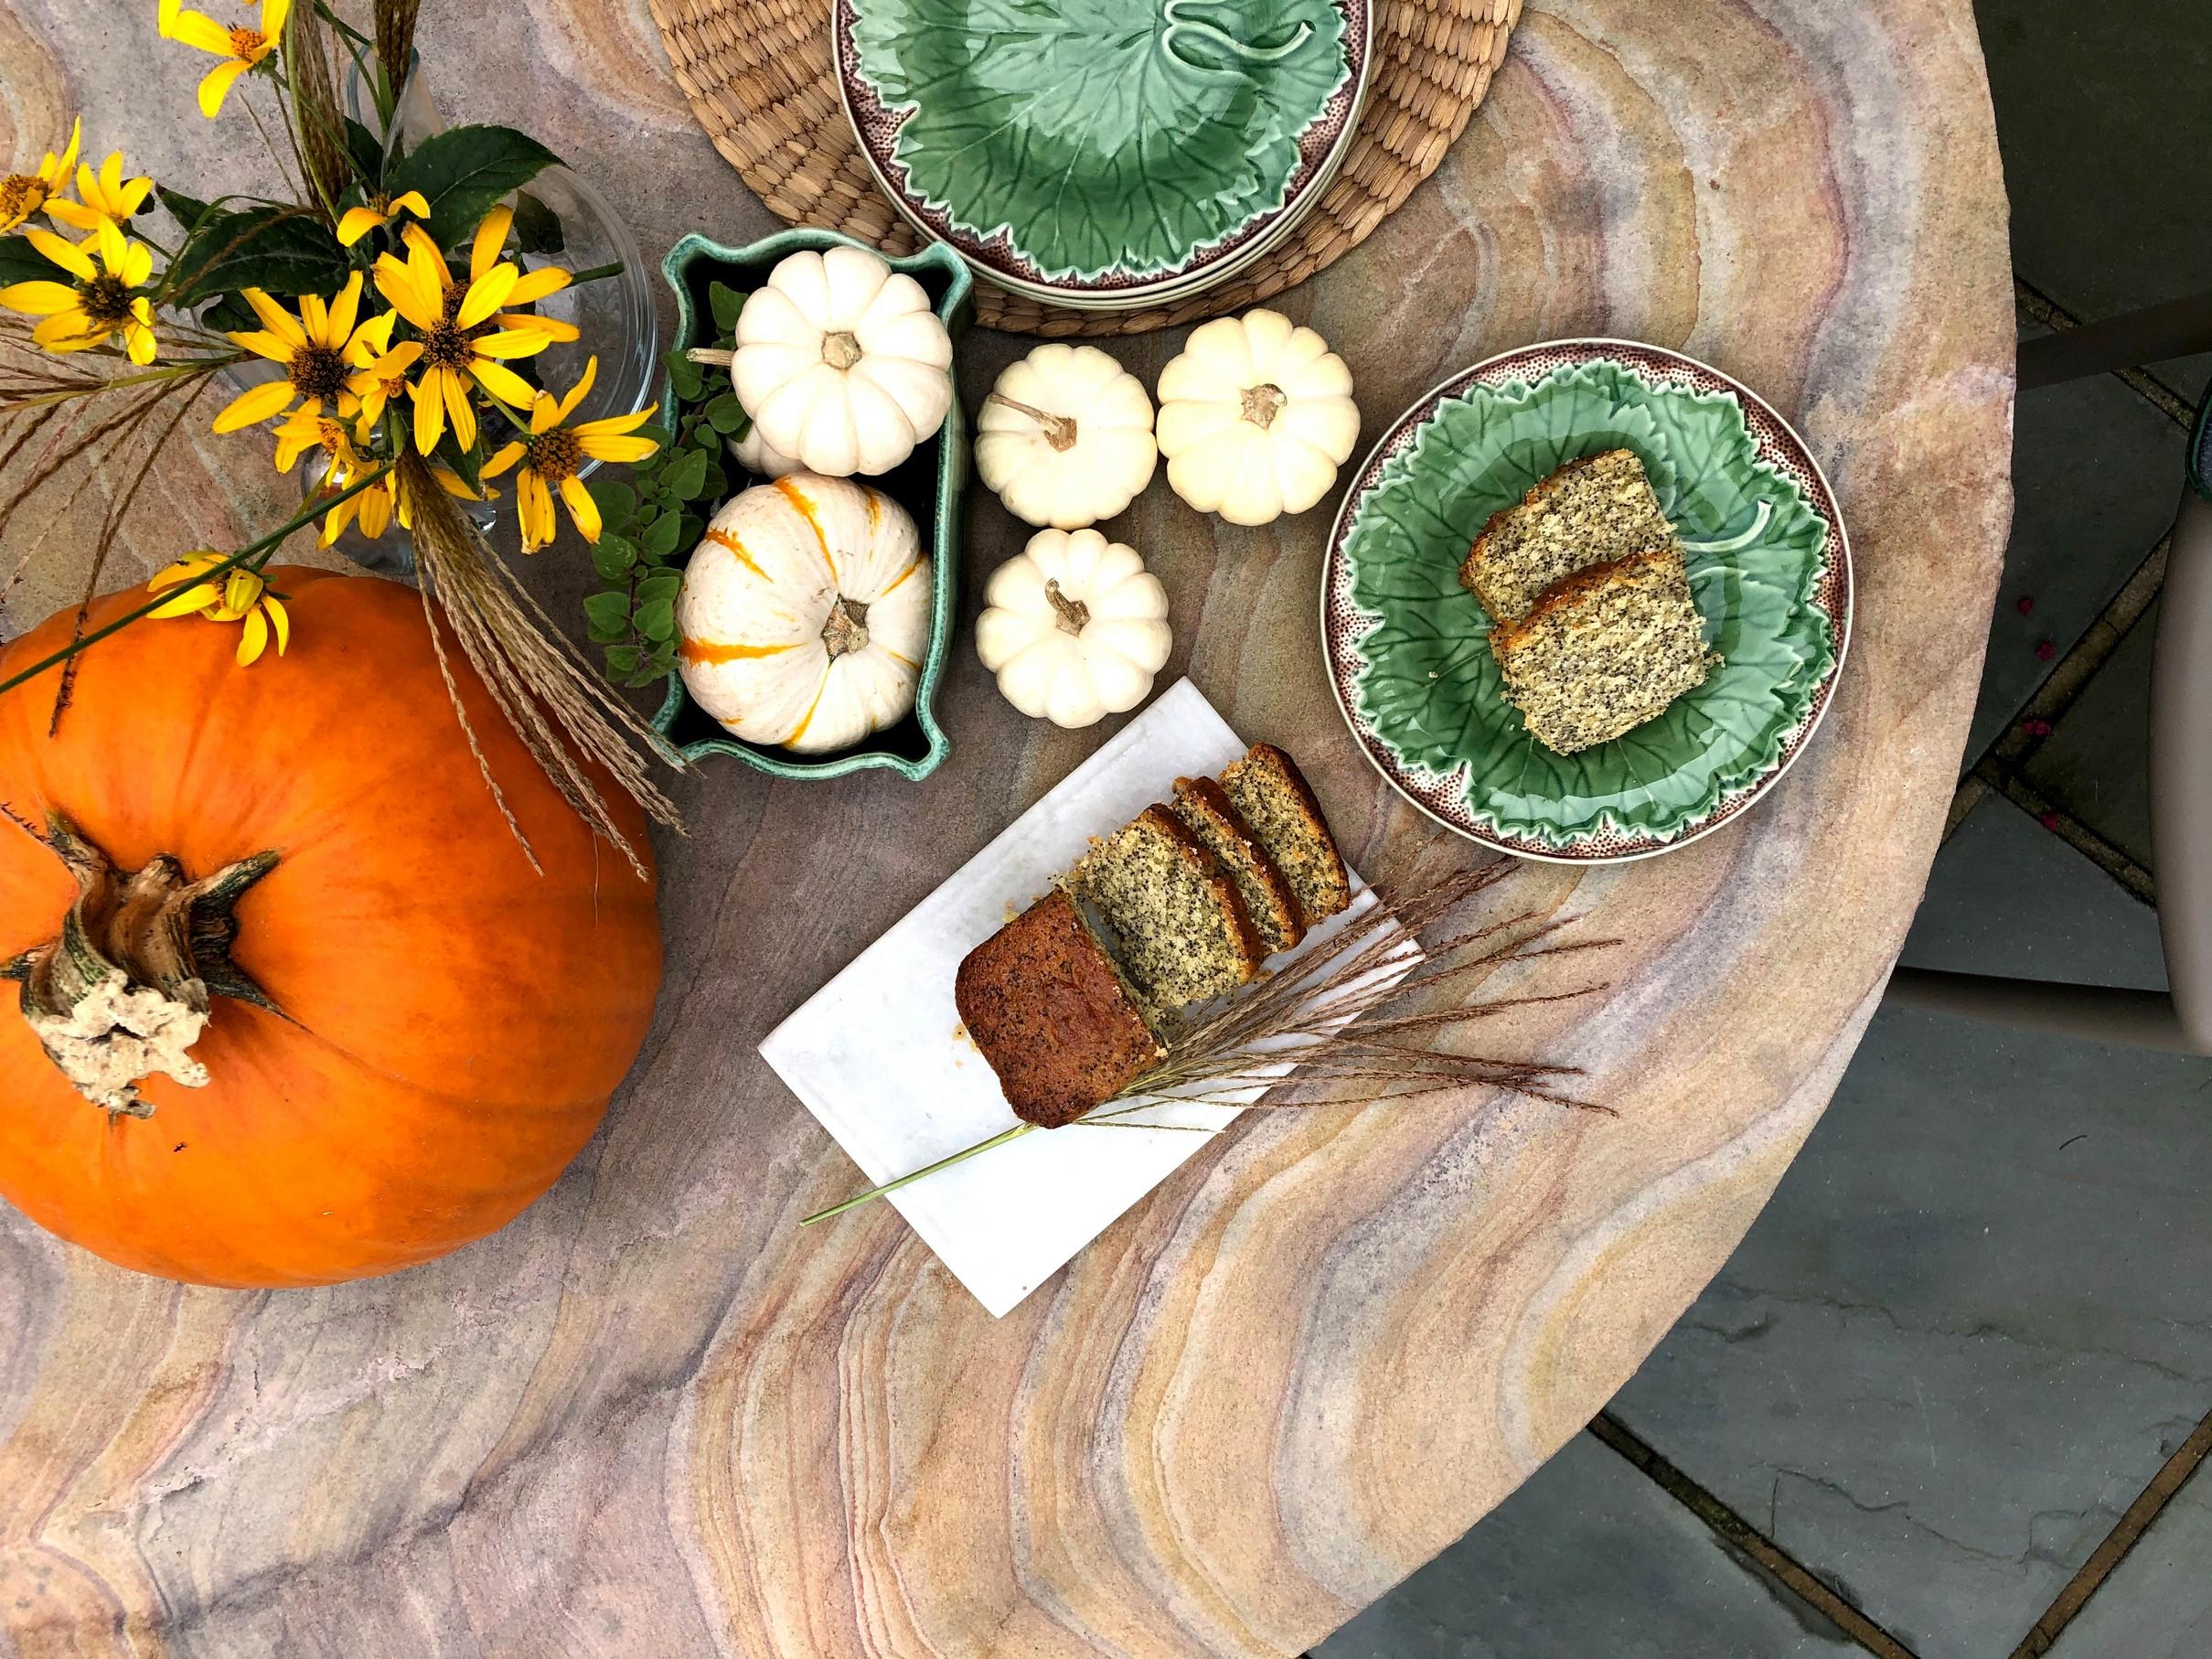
[125, 991]
[1074, 616]
[846, 631]
[1059, 430]
[710, 356]
[1263, 404]
[842, 349]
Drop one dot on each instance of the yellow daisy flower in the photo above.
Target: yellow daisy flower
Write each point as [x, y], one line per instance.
[240, 48]
[386, 499]
[318, 348]
[304, 429]
[99, 304]
[459, 341]
[357, 222]
[553, 453]
[239, 594]
[102, 196]
[24, 194]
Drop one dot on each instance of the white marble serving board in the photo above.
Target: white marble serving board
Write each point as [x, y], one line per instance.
[879, 1057]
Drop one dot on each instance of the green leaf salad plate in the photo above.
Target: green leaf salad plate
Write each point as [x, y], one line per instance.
[1103, 154]
[1408, 648]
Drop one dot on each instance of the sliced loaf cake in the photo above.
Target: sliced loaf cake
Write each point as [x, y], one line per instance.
[1272, 796]
[1605, 650]
[1053, 1014]
[1171, 915]
[1208, 813]
[1592, 510]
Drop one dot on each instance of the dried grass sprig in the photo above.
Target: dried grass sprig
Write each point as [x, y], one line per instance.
[548, 693]
[1320, 1017]
[395, 32]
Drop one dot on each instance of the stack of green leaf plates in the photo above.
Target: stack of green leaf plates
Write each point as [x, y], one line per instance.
[1408, 648]
[1103, 154]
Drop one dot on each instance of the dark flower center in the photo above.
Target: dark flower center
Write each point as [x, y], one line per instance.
[106, 300]
[245, 42]
[447, 346]
[555, 455]
[20, 197]
[318, 372]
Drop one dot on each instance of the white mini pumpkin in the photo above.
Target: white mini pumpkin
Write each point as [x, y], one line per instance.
[1075, 628]
[1255, 416]
[1065, 437]
[841, 363]
[805, 613]
[750, 453]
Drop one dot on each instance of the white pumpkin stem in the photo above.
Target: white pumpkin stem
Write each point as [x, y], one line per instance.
[1263, 404]
[125, 991]
[1074, 616]
[842, 349]
[846, 631]
[708, 354]
[1059, 430]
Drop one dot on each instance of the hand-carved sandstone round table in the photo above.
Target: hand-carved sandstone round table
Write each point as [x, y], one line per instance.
[652, 1416]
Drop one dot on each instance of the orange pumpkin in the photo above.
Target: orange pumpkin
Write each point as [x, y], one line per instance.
[444, 1025]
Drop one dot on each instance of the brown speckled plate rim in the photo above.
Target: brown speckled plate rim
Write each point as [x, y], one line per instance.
[1778, 444]
[1322, 147]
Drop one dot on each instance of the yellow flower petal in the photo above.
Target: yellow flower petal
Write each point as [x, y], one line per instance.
[582, 388]
[613, 424]
[254, 640]
[534, 507]
[376, 509]
[538, 285]
[429, 411]
[68, 255]
[489, 243]
[184, 570]
[413, 202]
[217, 86]
[38, 299]
[263, 344]
[582, 508]
[194, 29]
[139, 344]
[280, 620]
[276, 319]
[511, 343]
[486, 294]
[459, 409]
[549, 328]
[396, 280]
[254, 405]
[192, 599]
[601, 447]
[63, 211]
[357, 222]
[545, 415]
[115, 252]
[508, 455]
[371, 340]
[273, 13]
[132, 196]
[503, 383]
[137, 265]
[427, 260]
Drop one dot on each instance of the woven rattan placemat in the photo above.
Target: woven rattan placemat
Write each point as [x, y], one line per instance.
[759, 78]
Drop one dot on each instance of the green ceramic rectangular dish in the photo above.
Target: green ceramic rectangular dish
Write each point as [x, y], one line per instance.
[928, 486]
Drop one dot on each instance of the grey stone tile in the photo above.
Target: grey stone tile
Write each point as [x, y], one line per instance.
[1588, 1556]
[2157, 1604]
[2107, 138]
[1977, 1315]
[2097, 763]
[2097, 473]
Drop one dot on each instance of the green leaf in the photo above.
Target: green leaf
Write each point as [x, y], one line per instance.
[615, 499]
[688, 379]
[613, 558]
[657, 618]
[622, 660]
[661, 584]
[187, 210]
[1101, 137]
[463, 171]
[231, 313]
[725, 302]
[21, 263]
[608, 614]
[690, 529]
[688, 478]
[727, 415]
[367, 151]
[654, 434]
[281, 251]
[538, 227]
[663, 656]
[661, 537]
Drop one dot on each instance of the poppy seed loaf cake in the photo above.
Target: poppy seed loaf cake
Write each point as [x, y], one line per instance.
[1589, 512]
[1605, 650]
[1053, 1014]
[1271, 795]
[1270, 906]
[1171, 915]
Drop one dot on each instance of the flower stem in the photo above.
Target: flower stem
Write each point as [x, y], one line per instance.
[597, 273]
[304, 517]
[1000, 1139]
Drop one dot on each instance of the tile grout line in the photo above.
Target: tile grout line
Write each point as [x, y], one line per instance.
[2142, 382]
[2071, 830]
[1734, 1530]
[2125, 1534]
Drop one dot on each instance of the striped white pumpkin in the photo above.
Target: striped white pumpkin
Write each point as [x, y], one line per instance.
[805, 613]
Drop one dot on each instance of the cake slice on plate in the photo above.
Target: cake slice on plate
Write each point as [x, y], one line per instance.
[1589, 512]
[1605, 650]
